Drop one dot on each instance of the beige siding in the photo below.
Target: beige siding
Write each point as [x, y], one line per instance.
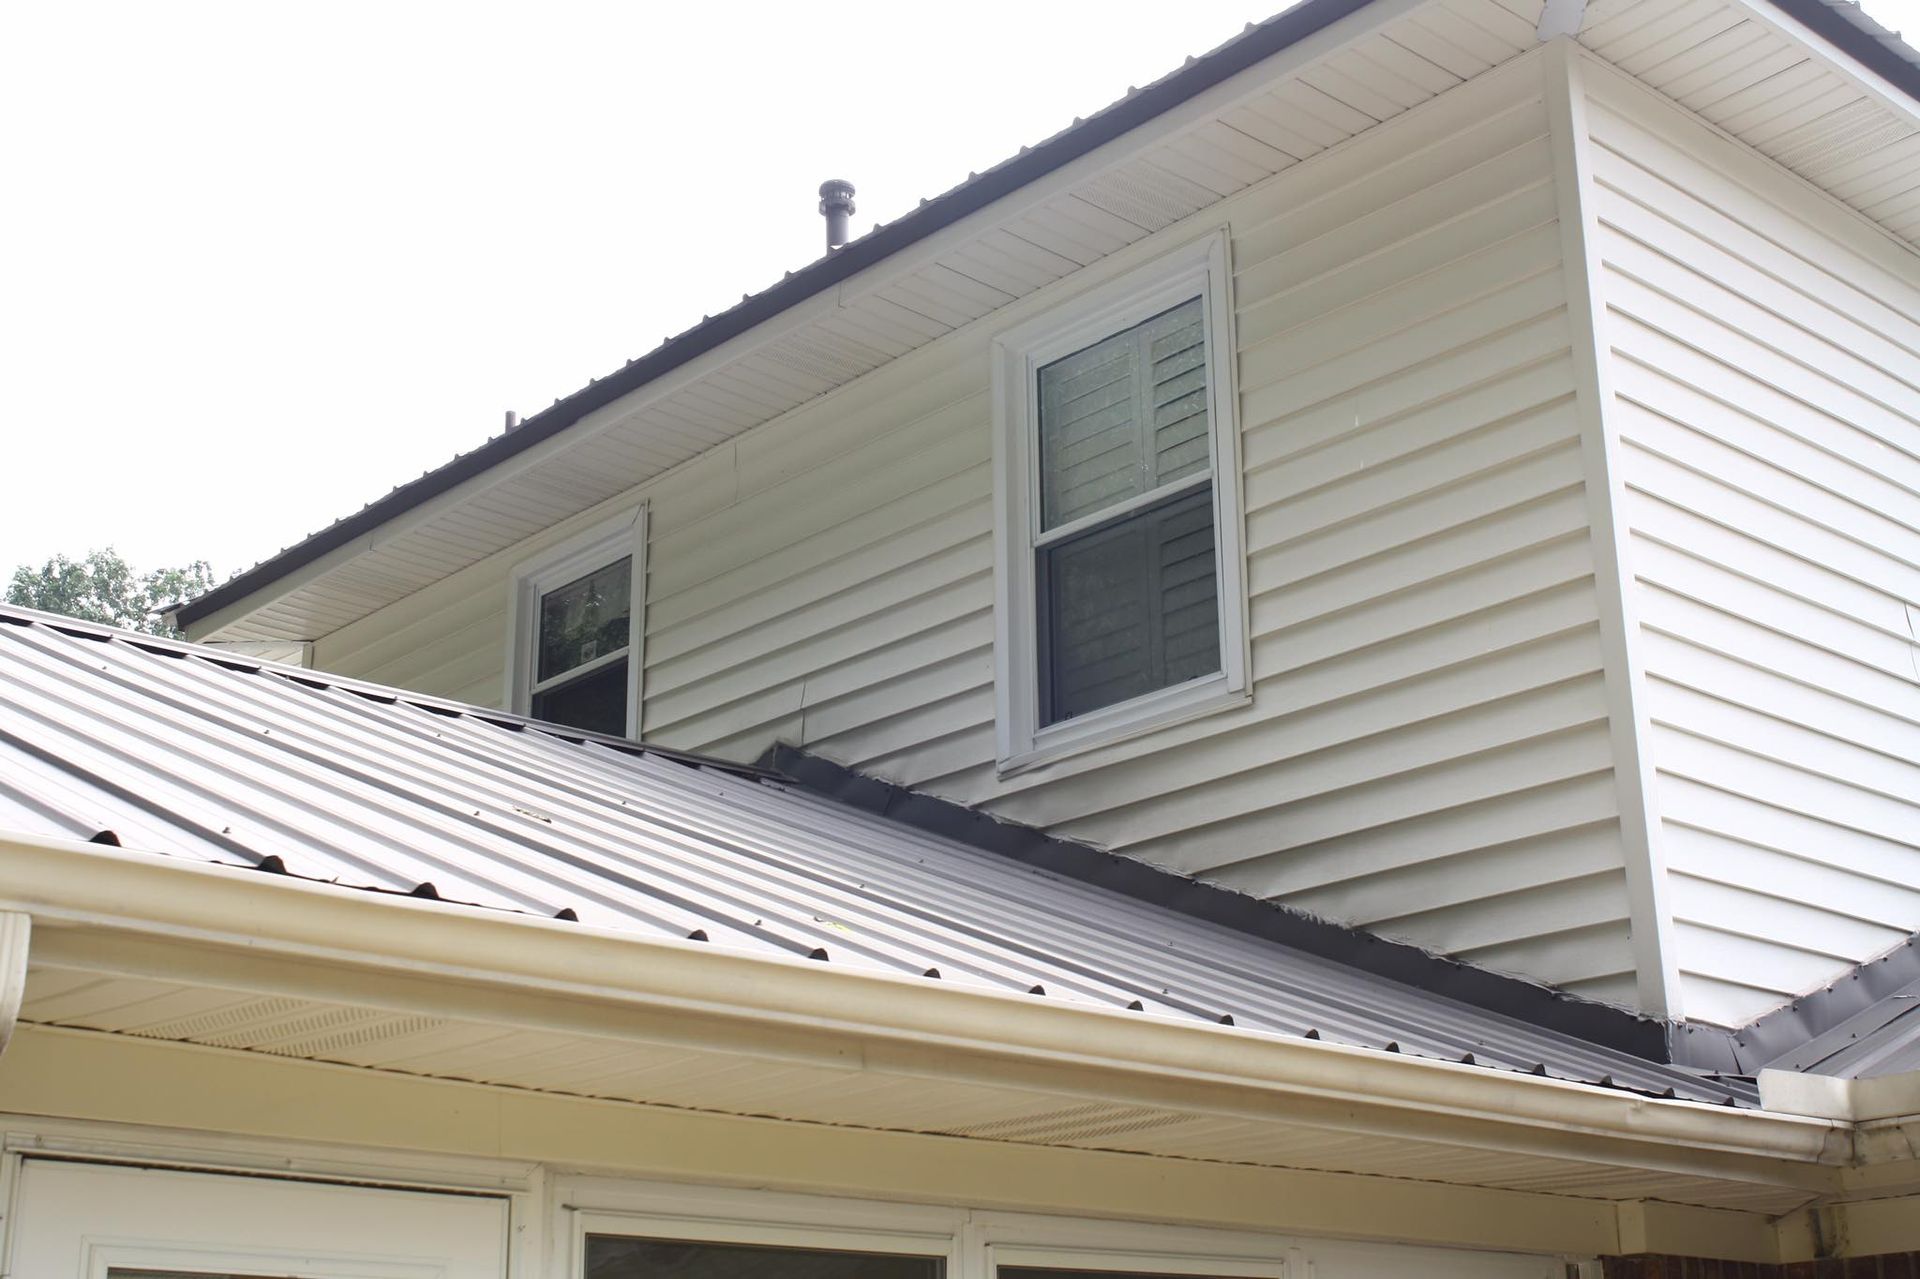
[1766, 365]
[1426, 753]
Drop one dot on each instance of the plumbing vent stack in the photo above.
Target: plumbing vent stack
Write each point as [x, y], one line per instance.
[836, 206]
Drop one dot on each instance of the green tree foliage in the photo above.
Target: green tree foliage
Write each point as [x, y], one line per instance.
[103, 587]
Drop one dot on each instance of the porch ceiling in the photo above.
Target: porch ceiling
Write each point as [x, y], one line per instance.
[1735, 61]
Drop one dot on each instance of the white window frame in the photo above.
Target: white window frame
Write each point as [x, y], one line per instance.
[1199, 268]
[622, 535]
[605, 1206]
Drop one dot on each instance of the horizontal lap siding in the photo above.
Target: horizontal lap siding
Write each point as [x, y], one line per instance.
[1766, 368]
[1426, 752]
[448, 640]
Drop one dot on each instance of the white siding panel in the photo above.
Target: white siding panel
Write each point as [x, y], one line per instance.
[1767, 375]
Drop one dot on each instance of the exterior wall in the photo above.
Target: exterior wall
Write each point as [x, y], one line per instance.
[1765, 362]
[1427, 751]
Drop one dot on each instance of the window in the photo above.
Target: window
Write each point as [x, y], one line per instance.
[631, 1257]
[575, 645]
[1119, 565]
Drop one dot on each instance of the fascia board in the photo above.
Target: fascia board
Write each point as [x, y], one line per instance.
[316, 940]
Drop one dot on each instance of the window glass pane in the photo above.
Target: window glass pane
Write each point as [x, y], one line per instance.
[1089, 430]
[622, 1257]
[1129, 607]
[595, 702]
[1124, 416]
[585, 619]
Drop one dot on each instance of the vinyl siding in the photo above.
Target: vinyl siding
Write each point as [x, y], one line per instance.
[1766, 369]
[1426, 751]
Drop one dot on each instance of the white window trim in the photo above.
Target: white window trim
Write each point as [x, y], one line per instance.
[622, 535]
[1146, 1259]
[604, 1206]
[1198, 267]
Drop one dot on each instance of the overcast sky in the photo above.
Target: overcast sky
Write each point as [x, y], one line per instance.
[260, 262]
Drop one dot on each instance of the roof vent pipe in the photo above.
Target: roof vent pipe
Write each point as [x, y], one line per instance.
[836, 205]
[513, 419]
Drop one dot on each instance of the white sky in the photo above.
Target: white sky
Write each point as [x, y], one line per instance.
[260, 262]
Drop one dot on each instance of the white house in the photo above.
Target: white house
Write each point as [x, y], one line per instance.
[1446, 468]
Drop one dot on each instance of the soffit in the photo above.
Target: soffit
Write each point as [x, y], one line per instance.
[1738, 66]
[77, 989]
[1720, 57]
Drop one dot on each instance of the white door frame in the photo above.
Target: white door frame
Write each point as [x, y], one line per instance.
[73, 1219]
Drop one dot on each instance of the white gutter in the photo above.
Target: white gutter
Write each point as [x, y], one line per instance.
[111, 909]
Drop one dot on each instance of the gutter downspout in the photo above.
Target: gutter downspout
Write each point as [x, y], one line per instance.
[16, 929]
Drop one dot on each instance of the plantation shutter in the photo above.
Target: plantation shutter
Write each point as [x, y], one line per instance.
[1130, 604]
[1124, 416]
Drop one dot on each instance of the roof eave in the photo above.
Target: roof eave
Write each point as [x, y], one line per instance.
[265, 931]
[1256, 45]
[1872, 54]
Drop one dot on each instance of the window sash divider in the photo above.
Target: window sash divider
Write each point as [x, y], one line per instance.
[585, 668]
[1119, 510]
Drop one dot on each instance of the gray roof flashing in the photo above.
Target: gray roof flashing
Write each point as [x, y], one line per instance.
[1438, 974]
[1796, 1037]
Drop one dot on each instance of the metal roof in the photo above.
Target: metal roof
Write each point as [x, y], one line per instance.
[1881, 1039]
[1864, 1023]
[186, 751]
[1841, 22]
